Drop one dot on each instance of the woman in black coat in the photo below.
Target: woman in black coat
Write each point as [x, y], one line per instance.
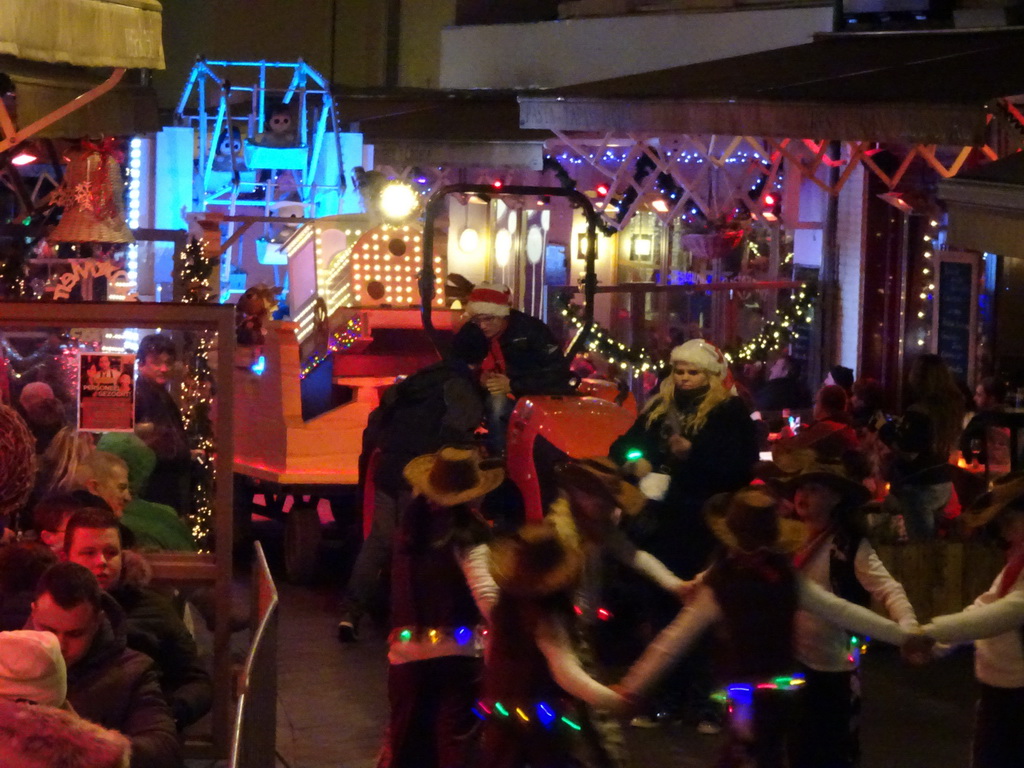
[698, 432]
[694, 439]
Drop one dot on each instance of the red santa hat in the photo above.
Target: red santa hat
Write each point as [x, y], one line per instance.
[489, 299]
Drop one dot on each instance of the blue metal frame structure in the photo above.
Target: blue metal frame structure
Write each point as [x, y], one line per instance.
[317, 120]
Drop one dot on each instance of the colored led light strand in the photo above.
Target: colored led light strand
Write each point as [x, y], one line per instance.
[544, 713]
[463, 635]
[341, 340]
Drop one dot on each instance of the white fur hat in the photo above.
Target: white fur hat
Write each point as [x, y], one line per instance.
[489, 299]
[703, 354]
[32, 668]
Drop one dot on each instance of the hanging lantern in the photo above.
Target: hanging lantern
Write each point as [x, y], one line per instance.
[93, 197]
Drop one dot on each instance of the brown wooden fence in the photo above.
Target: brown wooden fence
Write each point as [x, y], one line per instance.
[942, 576]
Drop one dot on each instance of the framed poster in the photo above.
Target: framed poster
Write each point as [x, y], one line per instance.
[955, 315]
[106, 392]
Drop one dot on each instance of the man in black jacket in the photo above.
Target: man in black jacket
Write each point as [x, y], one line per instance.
[159, 423]
[439, 405]
[524, 357]
[107, 683]
[93, 540]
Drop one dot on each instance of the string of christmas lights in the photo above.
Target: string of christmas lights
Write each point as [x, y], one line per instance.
[464, 635]
[194, 274]
[785, 327]
[544, 713]
[927, 293]
[600, 341]
[342, 340]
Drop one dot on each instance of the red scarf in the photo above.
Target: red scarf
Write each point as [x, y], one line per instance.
[495, 360]
[1014, 566]
[803, 555]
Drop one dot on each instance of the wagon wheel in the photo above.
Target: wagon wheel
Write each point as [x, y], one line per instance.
[302, 537]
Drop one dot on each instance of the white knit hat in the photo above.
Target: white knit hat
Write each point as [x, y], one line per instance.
[489, 299]
[703, 354]
[32, 668]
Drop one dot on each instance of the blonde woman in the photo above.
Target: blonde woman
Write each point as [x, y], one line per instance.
[698, 433]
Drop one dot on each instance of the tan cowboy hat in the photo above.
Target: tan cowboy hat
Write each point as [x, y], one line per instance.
[1007, 491]
[451, 476]
[600, 476]
[747, 521]
[535, 562]
[834, 476]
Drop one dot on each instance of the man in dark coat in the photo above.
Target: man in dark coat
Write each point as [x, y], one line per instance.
[439, 405]
[524, 357]
[784, 388]
[159, 423]
[107, 683]
[93, 540]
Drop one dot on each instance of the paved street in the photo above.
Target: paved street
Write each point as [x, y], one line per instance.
[332, 700]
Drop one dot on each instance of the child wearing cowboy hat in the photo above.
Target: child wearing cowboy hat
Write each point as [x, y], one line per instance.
[751, 594]
[995, 623]
[441, 592]
[594, 498]
[838, 557]
[538, 701]
[38, 728]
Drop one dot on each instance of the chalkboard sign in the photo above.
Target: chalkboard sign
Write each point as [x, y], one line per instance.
[955, 316]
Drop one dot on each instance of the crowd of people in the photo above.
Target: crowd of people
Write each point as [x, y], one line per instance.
[739, 589]
[677, 576]
[97, 665]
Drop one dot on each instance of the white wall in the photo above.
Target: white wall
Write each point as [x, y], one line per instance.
[850, 276]
[549, 54]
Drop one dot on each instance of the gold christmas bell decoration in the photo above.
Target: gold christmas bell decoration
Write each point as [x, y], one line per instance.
[93, 197]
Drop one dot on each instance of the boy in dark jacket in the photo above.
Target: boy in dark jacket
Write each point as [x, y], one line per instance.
[93, 540]
[523, 358]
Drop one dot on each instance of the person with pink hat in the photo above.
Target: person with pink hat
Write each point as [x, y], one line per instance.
[37, 727]
[524, 357]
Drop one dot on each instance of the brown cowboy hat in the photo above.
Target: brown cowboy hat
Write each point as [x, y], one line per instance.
[601, 477]
[1007, 492]
[535, 562]
[451, 476]
[747, 520]
[835, 476]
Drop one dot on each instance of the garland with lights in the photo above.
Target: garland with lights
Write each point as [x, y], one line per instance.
[931, 241]
[600, 340]
[194, 271]
[341, 340]
[781, 329]
[14, 273]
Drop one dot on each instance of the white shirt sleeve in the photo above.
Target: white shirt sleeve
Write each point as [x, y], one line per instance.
[475, 564]
[672, 642]
[876, 579]
[979, 621]
[847, 615]
[563, 663]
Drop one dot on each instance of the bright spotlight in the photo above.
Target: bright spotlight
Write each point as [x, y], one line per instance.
[398, 201]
